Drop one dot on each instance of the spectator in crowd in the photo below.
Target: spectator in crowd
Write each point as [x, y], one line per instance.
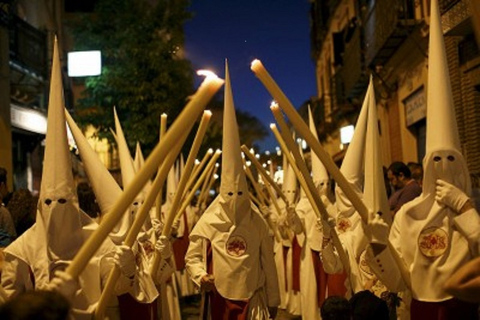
[406, 188]
[417, 172]
[5, 195]
[87, 200]
[6, 221]
[336, 308]
[23, 208]
[38, 305]
[366, 305]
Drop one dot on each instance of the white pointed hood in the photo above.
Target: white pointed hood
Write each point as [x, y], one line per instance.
[126, 162]
[319, 173]
[58, 211]
[374, 193]
[138, 160]
[290, 184]
[127, 166]
[172, 183]
[138, 163]
[353, 163]
[233, 185]
[442, 134]
[106, 189]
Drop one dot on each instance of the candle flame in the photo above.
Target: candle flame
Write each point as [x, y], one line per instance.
[210, 151]
[218, 151]
[274, 104]
[254, 62]
[208, 112]
[164, 115]
[272, 126]
[207, 74]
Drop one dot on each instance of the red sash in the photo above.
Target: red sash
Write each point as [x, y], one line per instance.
[320, 277]
[132, 309]
[451, 309]
[221, 308]
[180, 246]
[336, 284]
[296, 257]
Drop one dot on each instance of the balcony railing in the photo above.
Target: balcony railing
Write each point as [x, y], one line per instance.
[28, 47]
[387, 25]
[353, 72]
[445, 5]
[454, 12]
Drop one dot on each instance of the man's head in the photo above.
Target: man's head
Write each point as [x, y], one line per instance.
[3, 183]
[417, 171]
[399, 175]
[336, 308]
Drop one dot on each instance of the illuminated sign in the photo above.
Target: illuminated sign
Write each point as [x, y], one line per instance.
[84, 63]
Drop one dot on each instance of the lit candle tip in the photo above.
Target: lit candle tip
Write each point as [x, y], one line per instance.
[207, 73]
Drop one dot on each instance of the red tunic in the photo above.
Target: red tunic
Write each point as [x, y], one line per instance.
[451, 309]
[221, 308]
[180, 246]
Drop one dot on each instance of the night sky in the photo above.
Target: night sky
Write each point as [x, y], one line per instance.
[274, 31]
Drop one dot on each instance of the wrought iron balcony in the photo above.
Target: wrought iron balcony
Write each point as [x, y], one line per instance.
[387, 25]
[352, 73]
[28, 48]
[454, 14]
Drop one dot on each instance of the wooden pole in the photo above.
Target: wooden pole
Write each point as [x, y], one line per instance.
[159, 200]
[301, 171]
[264, 174]
[183, 123]
[302, 128]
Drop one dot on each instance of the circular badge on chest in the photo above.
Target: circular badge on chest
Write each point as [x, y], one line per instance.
[433, 242]
[343, 224]
[236, 246]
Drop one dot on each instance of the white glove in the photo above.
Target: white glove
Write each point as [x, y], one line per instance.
[162, 246]
[291, 214]
[175, 224]
[64, 284]
[325, 227]
[265, 211]
[124, 258]
[379, 230]
[449, 195]
[157, 226]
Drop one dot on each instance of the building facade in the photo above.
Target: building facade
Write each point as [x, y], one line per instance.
[388, 39]
[27, 32]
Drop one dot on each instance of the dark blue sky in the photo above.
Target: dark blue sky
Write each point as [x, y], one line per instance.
[274, 31]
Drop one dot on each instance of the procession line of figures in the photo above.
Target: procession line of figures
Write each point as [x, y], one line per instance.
[253, 250]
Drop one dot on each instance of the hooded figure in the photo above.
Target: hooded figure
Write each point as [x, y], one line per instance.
[180, 230]
[168, 301]
[350, 227]
[61, 227]
[291, 229]
[230, 248]
[437, 232]
[107, 192]
[312, 296]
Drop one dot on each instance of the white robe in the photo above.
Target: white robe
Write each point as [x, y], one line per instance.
[243, 262]
[432, 243]
[186, 287]
[312, 241]
[27, 267]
